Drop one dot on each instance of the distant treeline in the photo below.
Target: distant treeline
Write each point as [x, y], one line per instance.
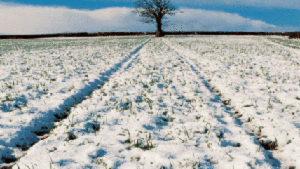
[294, 35]
[82, 34]
[85, 34]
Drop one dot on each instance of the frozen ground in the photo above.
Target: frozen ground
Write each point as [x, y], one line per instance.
[177, 102]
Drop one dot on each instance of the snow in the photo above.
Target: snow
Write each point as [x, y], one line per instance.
[261, 80]
[47, 78]
[135, 102]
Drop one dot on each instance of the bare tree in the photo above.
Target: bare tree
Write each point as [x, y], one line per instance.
[152, 11]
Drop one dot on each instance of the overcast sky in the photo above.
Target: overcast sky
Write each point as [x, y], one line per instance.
[60, 16]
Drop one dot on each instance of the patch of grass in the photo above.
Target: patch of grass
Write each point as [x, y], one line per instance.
[71, 136]
[220, 135]
[145, 145]
[135, 159]
[167, 119]
[227, 102]
[60, 116]
[269, 145]
[24, 147]
[128, 141]
[9, 159]
[236, 145]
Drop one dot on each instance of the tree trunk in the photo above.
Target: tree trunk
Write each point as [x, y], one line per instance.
[159, 32]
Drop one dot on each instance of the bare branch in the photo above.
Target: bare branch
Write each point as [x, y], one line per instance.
[154, 10]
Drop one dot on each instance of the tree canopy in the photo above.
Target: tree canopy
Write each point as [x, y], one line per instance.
[152, 11]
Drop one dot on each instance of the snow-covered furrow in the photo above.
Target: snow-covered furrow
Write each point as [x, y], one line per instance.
[29, 72]
[156, 112]
[259, 80]
[22, 125]
[285, 41]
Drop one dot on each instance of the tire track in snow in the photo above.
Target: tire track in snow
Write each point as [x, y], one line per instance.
[285, 42]
[269, 158]
[27, 136]
[277, 129]
[181, 129]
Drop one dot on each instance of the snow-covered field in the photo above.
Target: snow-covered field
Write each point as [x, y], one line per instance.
[135, 102]
[260, 80]
[40, 80]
